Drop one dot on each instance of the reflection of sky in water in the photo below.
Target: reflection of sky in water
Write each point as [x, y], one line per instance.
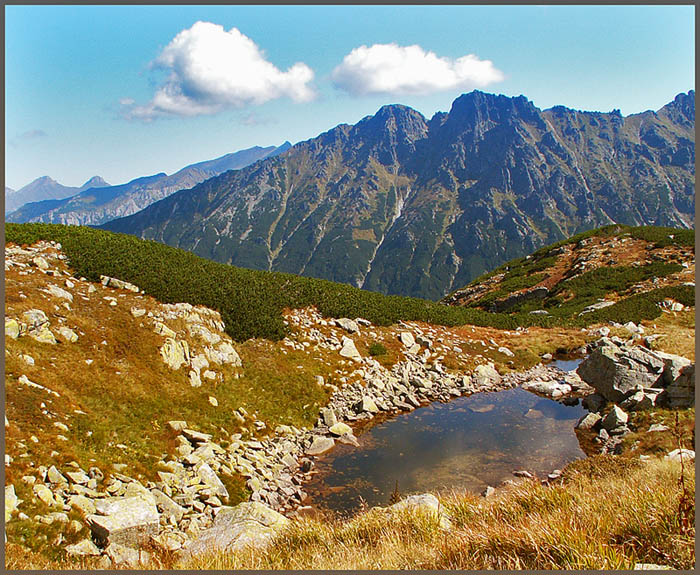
[468, 443]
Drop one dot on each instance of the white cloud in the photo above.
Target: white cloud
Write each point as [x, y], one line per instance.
[210, 69]
[394, 69]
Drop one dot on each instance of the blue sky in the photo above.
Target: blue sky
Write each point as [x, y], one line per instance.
[127, 91]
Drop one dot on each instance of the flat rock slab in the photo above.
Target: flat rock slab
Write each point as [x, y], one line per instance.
[250, 524]
[126, 521]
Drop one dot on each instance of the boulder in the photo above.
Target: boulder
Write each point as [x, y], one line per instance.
[119, 284]
[126, 556]
[40, 262]
[616, 369]
[328, 416]
[640, 401]
[167, 506]
[486, 375]
[223, 354]
[84, 505]
[681, 392]
[366, 405]
[67, 334]
[614, 419]
[35, 318]
[340, 429]
[349, 350]
[212, 481]
[676, 455]
[427, 504]
[58, 292]
[594, 402]
[124, 520]
[175, 353]
[348, 325]
[83, 548]
[11, 502]
[320, 445]
[407, 338]
[249, 524]
[12, 328]
[43, 335]
[44, 494]
[588, 421]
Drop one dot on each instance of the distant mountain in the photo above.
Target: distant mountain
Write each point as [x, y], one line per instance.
[45, 188]
[102, 203]
[403, 205]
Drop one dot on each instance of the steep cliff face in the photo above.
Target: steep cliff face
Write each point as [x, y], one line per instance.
[403, 205]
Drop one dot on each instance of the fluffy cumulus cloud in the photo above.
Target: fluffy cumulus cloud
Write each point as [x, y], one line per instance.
[394, 69]
[209, 69]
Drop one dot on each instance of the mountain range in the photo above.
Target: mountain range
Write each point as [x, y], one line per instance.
[404, 205]
[45, 188]
[93, 205]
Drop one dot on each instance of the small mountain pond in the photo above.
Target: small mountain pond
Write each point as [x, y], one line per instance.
[466, 444]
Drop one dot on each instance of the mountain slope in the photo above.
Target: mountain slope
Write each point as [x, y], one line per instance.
[95, 206]
[588, 273]
[407, 206]
[45, 188]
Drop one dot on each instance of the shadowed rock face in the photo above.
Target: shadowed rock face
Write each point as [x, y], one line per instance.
[405, 205]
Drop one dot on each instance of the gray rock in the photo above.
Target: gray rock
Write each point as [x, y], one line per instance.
[614, 419]
[340, 429]
[425, 503]
[83, 504]
[11, 501]
[366, 405]
[406, 338]
[639, 401]
[488, 492]
[328, 416]
[615, 369]
[12, 328]
[588, 421]
[175, 353]
[212, 481]
[196, 436]
[59, 292]
[348, 325]
[125, 521]
[320, 445]
[681, 392]
[687, 455]
[119, 284]
[83, 548]
[349, 350]
[125, 556]
[44, 494]
[167, 506]
[486, 375]
[250, 524]
[594, 402]
[657, 427]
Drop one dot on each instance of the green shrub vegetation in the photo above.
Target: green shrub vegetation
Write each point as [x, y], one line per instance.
[377, 348]
[251, 301]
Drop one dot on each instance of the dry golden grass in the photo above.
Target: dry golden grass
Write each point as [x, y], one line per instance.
[625, 513]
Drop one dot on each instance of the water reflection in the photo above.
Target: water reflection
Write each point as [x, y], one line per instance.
[468, 443]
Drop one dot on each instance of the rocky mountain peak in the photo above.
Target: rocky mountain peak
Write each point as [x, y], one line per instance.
[94, 182]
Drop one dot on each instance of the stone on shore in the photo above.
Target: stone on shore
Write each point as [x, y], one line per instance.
[250, 524]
